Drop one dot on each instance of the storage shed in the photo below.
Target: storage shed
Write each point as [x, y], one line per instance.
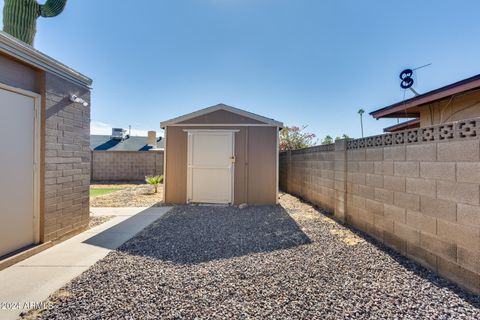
[44, 140]
[223, 155]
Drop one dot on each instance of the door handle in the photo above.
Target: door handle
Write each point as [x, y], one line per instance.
[232, 159]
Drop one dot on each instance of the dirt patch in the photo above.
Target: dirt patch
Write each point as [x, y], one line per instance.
[98, 220]
[133, 195]
[57, 297]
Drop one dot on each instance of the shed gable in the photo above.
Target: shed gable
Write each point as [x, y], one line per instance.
[221, 117]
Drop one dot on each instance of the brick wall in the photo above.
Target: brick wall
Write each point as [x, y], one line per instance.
[126, 165]
[417, 191]
[66, 165]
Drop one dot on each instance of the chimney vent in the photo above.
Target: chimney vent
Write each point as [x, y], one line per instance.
[152, 139]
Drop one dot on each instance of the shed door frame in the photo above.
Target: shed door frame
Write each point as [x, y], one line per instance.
[36, 155]
[191, 133]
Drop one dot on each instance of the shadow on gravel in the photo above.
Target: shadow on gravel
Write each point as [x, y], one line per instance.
[196, 234]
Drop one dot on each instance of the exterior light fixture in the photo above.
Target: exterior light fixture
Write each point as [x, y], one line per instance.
[76, 99]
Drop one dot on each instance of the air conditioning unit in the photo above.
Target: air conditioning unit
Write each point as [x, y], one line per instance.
[119, 134]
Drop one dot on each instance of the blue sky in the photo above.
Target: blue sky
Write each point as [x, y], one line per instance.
[303, 62]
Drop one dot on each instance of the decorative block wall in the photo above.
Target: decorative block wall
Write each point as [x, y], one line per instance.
[417, 191]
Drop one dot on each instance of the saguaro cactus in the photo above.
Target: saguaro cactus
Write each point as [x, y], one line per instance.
[20, 16]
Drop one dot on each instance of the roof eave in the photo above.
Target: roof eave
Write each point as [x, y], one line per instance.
[26, 53]
[403, 125]
[431, 96]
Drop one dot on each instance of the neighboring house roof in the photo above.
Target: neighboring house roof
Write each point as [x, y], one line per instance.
[221, 106]
[406, 109]
[414, 123]
[104, 143]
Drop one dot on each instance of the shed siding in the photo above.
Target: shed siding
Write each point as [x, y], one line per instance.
[262, 168]
[221, 117]
[255, 179]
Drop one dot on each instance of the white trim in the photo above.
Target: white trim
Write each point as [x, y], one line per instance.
[36, 157]
[165, 166]
[221, 107]
[221, 125]
[190, 167]
[26, 53]
[278, 162]
[211, 130]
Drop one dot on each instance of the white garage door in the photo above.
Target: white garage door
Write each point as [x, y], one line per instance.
[210, 166]
[17, 175]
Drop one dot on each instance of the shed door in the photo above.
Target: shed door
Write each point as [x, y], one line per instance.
[17, 136]
[210, 166]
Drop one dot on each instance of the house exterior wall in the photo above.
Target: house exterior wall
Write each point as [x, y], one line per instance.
[416, 191]
[64, 154]
[66, 158]
[18, 75]
[460, 107]
[255, 164]
[126, 165]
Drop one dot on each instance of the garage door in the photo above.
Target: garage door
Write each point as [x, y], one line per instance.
[210, 166]
[17, 174]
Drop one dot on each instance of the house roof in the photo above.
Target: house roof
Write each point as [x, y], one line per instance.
[225, 107]
[26, 53]
[406, 109]
[104, 143]
[414, 123]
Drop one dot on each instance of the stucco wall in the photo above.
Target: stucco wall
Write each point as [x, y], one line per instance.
[417, 191]
[460, 107]
[126, 165]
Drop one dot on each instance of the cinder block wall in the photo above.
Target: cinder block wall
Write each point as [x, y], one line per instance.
[126, 165]
[417, 191]
[66, 150]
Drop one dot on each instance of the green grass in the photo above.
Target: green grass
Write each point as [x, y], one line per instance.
[95, 192]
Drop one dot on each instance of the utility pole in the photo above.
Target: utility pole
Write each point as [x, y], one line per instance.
[361, 112]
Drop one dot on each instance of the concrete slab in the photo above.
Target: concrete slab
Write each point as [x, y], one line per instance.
[31, 281]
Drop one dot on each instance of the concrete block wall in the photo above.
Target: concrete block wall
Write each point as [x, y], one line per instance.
[418, 193]
[66, 153]
[126, 165]
[310, 173]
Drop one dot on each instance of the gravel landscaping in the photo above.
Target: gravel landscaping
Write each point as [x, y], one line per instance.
[131, 195]
[288, 261]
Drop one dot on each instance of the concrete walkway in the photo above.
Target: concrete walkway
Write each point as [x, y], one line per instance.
[31, 281]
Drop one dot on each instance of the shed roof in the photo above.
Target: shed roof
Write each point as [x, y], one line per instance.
[405, 109]
[224, 107]
[104, 143]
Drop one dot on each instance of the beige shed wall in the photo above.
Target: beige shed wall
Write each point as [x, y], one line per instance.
[255, 166]
[222, 117]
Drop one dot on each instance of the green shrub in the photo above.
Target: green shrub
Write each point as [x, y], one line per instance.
[154, 181]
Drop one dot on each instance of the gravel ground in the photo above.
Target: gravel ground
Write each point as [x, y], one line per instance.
[287, 261]
[133, 195]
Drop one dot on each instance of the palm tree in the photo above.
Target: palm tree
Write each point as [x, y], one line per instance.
[361, 112]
